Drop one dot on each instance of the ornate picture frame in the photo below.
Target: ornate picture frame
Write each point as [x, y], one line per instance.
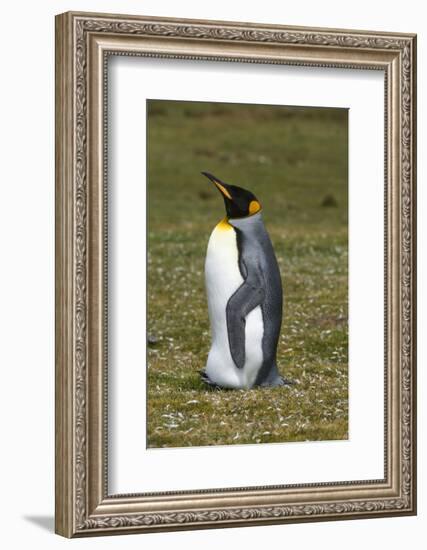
[84, 506]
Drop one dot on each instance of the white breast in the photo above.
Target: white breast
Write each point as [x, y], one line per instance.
[223, 278]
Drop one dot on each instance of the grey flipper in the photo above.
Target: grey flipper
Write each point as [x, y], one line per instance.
[246, 298]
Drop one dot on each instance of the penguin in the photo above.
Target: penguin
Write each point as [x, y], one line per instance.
[244, 294]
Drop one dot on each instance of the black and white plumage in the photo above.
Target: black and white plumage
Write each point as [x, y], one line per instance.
[244, 292]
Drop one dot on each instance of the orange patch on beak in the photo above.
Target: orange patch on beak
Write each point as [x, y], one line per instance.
[223, 190]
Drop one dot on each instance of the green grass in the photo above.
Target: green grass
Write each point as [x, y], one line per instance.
[295, 161]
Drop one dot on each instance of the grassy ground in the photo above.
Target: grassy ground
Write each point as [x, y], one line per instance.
[295, 161]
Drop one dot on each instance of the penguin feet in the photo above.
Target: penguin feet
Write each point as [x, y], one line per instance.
[205, 378]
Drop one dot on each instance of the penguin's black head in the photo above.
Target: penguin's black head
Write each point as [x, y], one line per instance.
[239, 203]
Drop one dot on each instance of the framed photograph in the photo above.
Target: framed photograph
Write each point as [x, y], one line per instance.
[235, 274]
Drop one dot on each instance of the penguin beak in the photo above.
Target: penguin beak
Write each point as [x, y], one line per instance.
[220, 185]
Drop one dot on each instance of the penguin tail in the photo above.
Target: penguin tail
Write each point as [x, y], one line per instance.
[287, 381]
[276, 381]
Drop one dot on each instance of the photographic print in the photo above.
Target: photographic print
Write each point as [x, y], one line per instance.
[247, 274]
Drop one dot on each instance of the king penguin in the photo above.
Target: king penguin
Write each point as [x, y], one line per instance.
[244, 293]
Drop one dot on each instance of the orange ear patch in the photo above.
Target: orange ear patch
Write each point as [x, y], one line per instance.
[254, 207]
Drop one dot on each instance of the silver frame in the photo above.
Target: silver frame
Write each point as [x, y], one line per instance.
[83, 43]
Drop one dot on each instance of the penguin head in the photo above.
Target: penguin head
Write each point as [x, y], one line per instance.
[239, 202]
